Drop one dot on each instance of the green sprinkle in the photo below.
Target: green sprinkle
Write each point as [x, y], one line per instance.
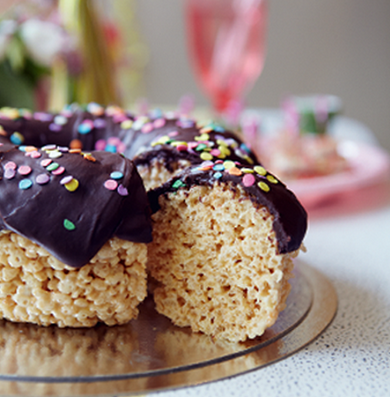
[178, 184]
[68, 225]
[53, 166]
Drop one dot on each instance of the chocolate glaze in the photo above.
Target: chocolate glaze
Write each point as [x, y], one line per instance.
[97, 213]
[290, 218]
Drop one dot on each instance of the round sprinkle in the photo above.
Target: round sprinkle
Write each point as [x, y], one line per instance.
[85, 127]
[24, 170]
[201, 147]
[122, 190]
[126, 124]
[76, 144]
[272, 179]
[248, 180]
[9, 173]
[11, 165]
[60, 120]
[247, 170]
[172, 133]
[219, 167]
[263, 186]
[182, 148]
[42, 179]
[35, 154]
[100, 144]
[55, 154]
[146, 128]
[99, 123]
[217, 175]
[17, 138]
[72, 185]
[206, 156]
[202, 137]
[25, 184]
[215, 152]
[116, 175]
[110, 184]
[55, 127]
[178, 184]
[69, 225]
[52, 166]
[158, 123]
[110, 148]
[260, 170]
[235, 171]
[66, 179]
[49, 147]
[46, 162]
[228, 164]
[58, 171]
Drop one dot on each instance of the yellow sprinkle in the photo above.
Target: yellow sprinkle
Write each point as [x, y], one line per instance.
[206, 156]
[263, 186]
[248, 159]
[272, 179]
[72, 185]
[225, 150]
[228, 164]
[125, 125]
[179, 143]
[221, 142]
[247, 170]
[202, 137]
[260, 170]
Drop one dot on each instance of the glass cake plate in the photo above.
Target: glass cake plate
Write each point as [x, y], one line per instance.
[150, 354]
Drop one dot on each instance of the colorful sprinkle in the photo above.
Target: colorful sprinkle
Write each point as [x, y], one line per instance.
[72, 185]
[17, 138]
[60, 120]
[248, 180]
[272, 179]
[11, 165]
[85, 127]
[158, 123]
[177, 184]
[206, 156]
[260, 170]
[68, 225]
[66, 179]
[228, 164]
[55, 127]
[24, 170]
[247, 170]
[217, 175]
[110, 184]
[219, 167]
[99, 123]
[126, 124]
[234, 171]
[42, 179]
[9, 173]
[100, 144]
[55, 154]
[116, 175]
[146, 128]
[58, 171]
[52, 166]
[122, 190]
[173, 133]
[25, 184]
[263, 186]
[75, 144]
[46, 162]
[35, 154]
[202, 137]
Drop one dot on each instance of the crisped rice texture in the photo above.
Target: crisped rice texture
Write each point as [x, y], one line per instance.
[156, 173]
[214, 257]
[37, 288]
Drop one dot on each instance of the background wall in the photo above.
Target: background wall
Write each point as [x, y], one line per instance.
[323, 46]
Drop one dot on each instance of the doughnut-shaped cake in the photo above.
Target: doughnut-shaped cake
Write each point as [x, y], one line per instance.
[77, 226]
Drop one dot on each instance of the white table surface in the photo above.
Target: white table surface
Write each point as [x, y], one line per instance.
[352, 357]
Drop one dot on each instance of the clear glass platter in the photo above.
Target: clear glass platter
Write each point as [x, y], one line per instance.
[150, 354]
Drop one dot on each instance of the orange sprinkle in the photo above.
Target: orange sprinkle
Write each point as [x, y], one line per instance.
[76, 144]
[89, 157]
[74, 150]
[30, 149]
[2, 131]
[234, 171]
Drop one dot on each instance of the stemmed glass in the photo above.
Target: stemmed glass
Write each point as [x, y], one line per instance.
[226, 41]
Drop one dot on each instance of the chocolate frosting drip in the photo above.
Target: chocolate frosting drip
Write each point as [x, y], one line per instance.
[71, 203]
[290, 218]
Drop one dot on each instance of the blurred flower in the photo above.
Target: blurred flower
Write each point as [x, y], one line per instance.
[44, 40]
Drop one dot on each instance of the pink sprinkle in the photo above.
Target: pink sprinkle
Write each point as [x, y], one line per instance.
[192, 145]
[46, 162]
[110, 184]
[118, 118]
[121, 147]
[182, 148]
[66, 179]
[173, 133]
[146, 128]
[215, 152]
[58, 171]
[100, 144]
[248, 180]
[24, 170]
[206, 164]
[35, 154]
[114, 141]
[89, 123]
[158, 123]
[10, 165]
[218, 161]
[122, 190]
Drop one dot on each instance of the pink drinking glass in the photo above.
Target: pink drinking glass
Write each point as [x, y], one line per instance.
[226, 41]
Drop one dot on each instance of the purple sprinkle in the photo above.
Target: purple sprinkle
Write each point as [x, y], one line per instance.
[43, 116]
[99, 123]
[55, 127]
[63, 149]
[122, 190]
[66, 179]
[9, 173]
[41, 179]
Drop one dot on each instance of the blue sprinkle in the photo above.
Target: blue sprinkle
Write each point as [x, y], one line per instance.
[219, 167]
[217, 175]
[84, 128]
[16, 138]
[219, 128]
[156, 113]
[25, 184]
[22, 148]
[244, 147]
[116, 175]
[110, 148]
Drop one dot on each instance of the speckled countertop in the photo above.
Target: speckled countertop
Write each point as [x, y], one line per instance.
[352, 357]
